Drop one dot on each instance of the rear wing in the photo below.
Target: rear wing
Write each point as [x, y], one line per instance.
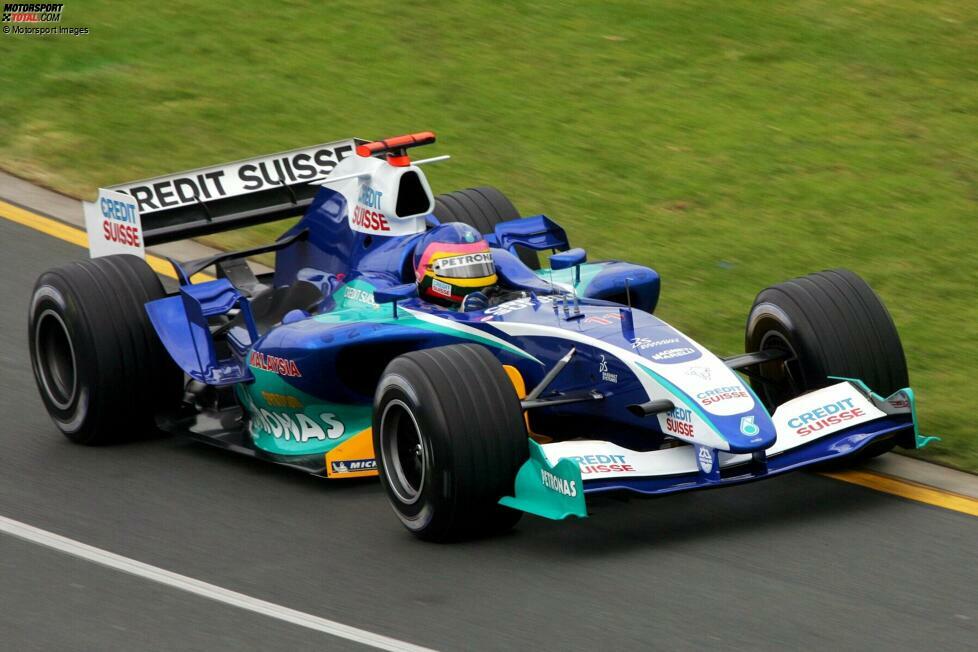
[128, 217]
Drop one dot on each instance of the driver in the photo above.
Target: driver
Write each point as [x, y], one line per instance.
[454, 267]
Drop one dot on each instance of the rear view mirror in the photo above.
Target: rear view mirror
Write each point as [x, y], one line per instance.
[570, 258]
[396, 293]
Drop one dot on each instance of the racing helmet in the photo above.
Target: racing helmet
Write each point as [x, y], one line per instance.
[451, 261]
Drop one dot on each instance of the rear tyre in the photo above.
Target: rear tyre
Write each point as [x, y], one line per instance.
[831, 323]
[100, 368]
[449, 437]
[482, 209]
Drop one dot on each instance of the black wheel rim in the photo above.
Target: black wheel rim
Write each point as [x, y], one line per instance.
[55, 356]
[403, 452]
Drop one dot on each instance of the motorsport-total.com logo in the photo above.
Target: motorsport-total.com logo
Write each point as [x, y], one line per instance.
[32, 12]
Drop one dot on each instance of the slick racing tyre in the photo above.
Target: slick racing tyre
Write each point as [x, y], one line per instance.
[482, 209]
[831, 324]
[449, 437]
[101, 370]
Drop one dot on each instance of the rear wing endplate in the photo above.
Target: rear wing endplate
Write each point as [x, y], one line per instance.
[128, 217]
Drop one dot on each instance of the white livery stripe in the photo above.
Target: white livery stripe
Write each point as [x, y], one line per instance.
[539, 330]
[468, 330]
[203, 589]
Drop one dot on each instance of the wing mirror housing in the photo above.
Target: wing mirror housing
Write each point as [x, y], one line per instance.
[570, 258]
[396, 293]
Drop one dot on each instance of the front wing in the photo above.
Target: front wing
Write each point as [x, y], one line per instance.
[828, 423]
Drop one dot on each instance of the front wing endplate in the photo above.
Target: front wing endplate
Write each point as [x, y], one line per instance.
[551, 491]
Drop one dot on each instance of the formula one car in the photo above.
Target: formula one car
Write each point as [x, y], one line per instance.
[551, 385]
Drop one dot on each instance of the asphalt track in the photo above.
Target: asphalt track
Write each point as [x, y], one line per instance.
[801, 561]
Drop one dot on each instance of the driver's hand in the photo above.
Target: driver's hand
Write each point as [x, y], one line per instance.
[474, 301]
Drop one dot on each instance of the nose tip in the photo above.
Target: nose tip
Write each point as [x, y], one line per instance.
[750, 432]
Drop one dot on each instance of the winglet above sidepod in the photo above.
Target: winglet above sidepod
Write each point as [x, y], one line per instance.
[551, 491]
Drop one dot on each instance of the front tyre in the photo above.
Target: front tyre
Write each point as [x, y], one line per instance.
[829, 323]
[449, 437]
[99, 366]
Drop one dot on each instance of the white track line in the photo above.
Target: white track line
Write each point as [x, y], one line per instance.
[203, 589]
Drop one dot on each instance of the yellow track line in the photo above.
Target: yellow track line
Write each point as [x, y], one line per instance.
[76, 236]
[886, 484]
[37, 222]
[908, 489]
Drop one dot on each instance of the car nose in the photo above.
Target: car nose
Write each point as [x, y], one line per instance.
[749, 431]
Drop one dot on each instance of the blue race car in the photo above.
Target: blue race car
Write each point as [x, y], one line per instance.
[417, 338]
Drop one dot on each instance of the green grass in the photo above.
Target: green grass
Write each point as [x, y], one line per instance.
[728, 148]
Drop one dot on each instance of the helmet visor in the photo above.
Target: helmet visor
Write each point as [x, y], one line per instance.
[476, 265]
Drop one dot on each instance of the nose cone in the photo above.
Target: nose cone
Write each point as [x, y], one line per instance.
[747, 432]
